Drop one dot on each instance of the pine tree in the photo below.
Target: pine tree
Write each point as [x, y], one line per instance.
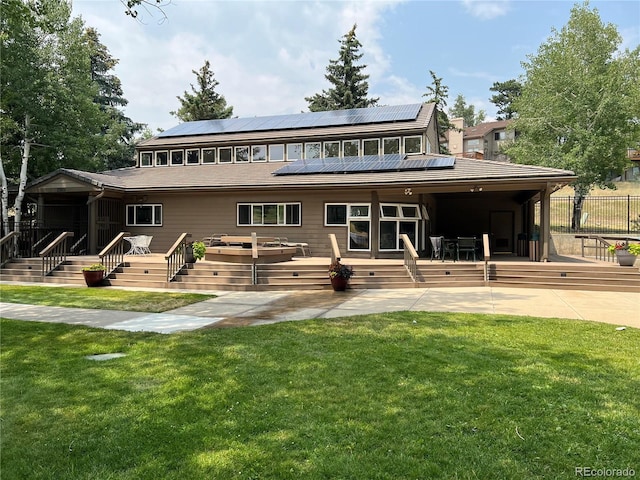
[460, 109]
[350, 86]
[437, 93]
[204, 103]
[506, 93]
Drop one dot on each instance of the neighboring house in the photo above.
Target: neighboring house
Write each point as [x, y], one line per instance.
[365, 175]
[483, 141]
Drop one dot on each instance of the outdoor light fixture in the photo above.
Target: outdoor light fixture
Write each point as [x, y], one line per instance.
[475, 189]
[407, 191]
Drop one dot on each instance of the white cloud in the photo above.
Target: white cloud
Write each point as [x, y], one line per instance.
[486, 10]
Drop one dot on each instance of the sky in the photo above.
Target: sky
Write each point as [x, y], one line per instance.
[269, 55]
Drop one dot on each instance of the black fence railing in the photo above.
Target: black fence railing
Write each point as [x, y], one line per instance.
[599, 215]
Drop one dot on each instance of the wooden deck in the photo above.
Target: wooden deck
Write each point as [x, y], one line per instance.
[308, 273]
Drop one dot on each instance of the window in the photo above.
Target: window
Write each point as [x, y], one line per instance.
[177, 157]
[225, 155]
[276, 153]
[294, 151]
[391, 145]
[312, 150]
[351, 148]
[413, 144]
[259, 153]
[395, 220]
[371, 146]
[146, 159]
[269, 214]
[393, 210]
[335, 214]
[193, 157]
[242, 154]
[162, 159]
[331, 149]
[208, 155]
[144, 214]
[473, 145]
[500, 135]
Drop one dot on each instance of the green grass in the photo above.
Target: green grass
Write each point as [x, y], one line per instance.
[100, 298]
[393, 396]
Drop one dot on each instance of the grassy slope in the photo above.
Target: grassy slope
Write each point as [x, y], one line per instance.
[403, 395]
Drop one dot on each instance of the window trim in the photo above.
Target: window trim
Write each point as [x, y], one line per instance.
[329, 143]
[269, 157]
[181, 152]
[153, 215]
[215, 158]
[301, 156]
[238, 149]
[186, 156]
[156, 158]
[404, 144]
[326, 214]
[319, 144]
[398, 139]
[358, 146]
[266, 153]
[278, 205]
[377, 140]
[151, 158]
[225, 149]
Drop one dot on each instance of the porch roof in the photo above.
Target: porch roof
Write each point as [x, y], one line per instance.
[253, 176]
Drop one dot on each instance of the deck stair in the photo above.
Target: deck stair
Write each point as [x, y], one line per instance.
[311, 274]
[565, 276]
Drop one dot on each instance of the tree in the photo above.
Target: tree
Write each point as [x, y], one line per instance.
[460, 109]
[118, 146]
[204, 103]
[350, 87]
[506, 93]
[47, 110]
[131, 6]
[580, 103]
[437, 93]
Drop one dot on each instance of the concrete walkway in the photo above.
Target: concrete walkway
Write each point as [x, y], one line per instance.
[232, 309]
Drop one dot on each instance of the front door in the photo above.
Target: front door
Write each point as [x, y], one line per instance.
[502, 223]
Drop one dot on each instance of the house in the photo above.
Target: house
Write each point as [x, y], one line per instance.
[482, 141]
[366, 175]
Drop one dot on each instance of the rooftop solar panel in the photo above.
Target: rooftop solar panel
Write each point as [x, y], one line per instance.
[354, 116]
[367, 163]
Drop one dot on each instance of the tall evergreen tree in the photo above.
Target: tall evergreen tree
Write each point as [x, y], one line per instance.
[438, 93]
[460, 109]
[118, 133]
[350, 87]
[204, 103]
[506, 93]
[580, 103]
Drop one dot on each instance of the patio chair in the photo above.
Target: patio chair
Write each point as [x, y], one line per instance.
[450, 248]
[436, 247]
[139, 244]
[214, 240]
[467, 245]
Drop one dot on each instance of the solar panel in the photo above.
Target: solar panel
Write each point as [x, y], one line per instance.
[366, 163]
[354, 116]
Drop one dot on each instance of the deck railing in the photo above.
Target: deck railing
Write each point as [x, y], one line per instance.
[176, 256]
[410, 257]
[55, 254]
[600, 244]
[335, 249]
[112, 256]
[486, 256]
[8, 247]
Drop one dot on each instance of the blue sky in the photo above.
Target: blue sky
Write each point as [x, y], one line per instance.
[269, 55]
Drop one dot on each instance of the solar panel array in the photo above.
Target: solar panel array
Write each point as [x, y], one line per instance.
[367, 163]
[332, 118]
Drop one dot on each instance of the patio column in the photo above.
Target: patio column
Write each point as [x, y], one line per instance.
[545, 223]
[375, 224]
[92, 230]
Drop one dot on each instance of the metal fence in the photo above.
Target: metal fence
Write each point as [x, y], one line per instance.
[600, 215]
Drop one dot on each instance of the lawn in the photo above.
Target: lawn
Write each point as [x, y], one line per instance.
[100, 298]
[393, 396]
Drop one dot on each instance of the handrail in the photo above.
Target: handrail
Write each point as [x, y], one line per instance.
[55, 254]
[112, 256]
[601, 245]
[410, 257]
[486, 256]
[335, 250]
[176, 256]
[7, 248]
[76, 245]
[35, 246]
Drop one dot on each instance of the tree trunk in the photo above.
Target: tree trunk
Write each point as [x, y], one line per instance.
[576, 219]
[4, 200]
[26, 149]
